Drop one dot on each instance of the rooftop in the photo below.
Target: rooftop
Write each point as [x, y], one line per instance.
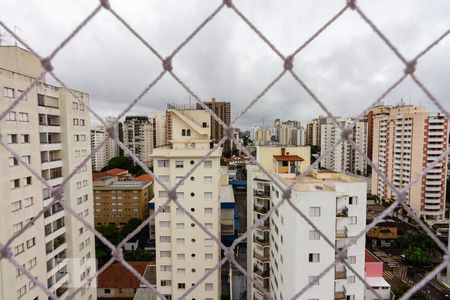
[117, 276]
[144, 177]
[320, 182]
[369, 257]
[226, 193]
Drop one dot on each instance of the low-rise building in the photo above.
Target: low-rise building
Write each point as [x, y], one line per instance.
[118, 201]
[374, 277]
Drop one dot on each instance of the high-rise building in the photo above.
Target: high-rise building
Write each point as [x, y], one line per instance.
[285, 253]
[109, 150]
[50, 130]
[298, 136]
[138, 137]
[223, 110]
[312, 133]
[158, 121]
[377, 110]
[344, 158]
[405, 141]
[184, 251]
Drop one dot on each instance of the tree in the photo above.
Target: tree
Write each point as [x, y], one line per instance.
[103, 252]
[126, 163]
[138, 255]
[314, 150]
[416, 238]
[131, 225]
[418, 257]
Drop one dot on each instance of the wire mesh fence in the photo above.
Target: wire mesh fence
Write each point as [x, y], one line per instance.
[287, 61]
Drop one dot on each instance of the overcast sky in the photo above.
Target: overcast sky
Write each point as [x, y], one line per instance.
[348, 66]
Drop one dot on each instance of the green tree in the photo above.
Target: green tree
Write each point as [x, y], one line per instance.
[126, 163]
[416, 238]
[103, 252]
[138, 255]
[314, 150]
[418, 257]
[131, 225]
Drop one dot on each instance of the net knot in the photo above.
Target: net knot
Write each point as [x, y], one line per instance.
[167, 64]
[410, 67]
[347, 133]
[105, 4]
[229, 132]
[111, 131]
[229, 253]
[57, 194]
[351, 4]
[287, 193]
[228, 3]
[172, 194]
[288, 63]
[117, 254]
[47, 64]
[6, 252]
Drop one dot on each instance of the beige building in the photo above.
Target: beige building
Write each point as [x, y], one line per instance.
[344, 158]
[109, 150]
[158, 121]
[118, 201]
[50, 130]
[138, 137]
[405, 141]
[184, 252]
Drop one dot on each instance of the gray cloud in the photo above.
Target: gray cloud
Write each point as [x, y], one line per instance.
[347, 67]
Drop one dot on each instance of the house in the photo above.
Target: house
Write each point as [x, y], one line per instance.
[373, 268]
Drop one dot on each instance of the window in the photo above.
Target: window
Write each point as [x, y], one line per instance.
[208, 211]
[20, 92]
[107, 291]
[314, 211]
[208, 195]
[351, 278]
[13, 162]
[209, 226]
[181, 286]
[164, 178]
[209, 286]
[11, 116]
[163, 163]
[314, 235]
[178, 164]
[75, 105]
[208, 256]
[165, 254]
[12, 138]
[180, 226]
[16, 206]
[27, 202]
[19, 249]
[25, 138]
[162, 194]
[165, 268]
[164, 239]
[23, 117]
[26, 158]
[8, 92]
[15, 183]
[180, 241]
[188, 132]
[27, 180]
[181, 256]
[183, 132]
[208, 242]
[351, 259]
[31, 242]
[353, 200]
[75, 122]
[82, 122]
[164, 224]
[312, 278]
[166, 282]
[22, 291]
[207, 164]
[181, 271]
[314, 257]
[353, 220]
[179, 211]
[350, 297]
[178, 179]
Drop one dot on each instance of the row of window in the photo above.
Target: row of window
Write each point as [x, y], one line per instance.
[78, 122]
[13, 116]
[166, 178]
[80, 153]
[18, 205]
[165, 163]
[180, 195]
[79, 137]
[182, 286]
[13, 162]
[77, 106]
[13, 138]
[208, 242]
[78, 184]
[15, 183]
[181, 256]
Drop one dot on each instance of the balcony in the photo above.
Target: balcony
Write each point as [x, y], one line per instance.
[261, 273]
[265, 242]
[261, 209]
[341, 295]
[340, 272]
[342, 212]
[342, 234]
[262, 257]
[265, 226]
[261, 193]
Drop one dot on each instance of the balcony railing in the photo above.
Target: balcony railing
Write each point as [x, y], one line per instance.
[263, 242]
[261, 209]
[342, 234]
[259, 193]
[261, 257]
[340, 274]
[261, 273]
[342, 212]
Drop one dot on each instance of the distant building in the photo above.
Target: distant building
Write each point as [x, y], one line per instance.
[382, 235]
[223, 110]
[282, 259]
[405, 141]
[312, 130]
[116, 282]
[109, 150]
[158, 121]
[374, 277]
[116, 202]
[138, 137]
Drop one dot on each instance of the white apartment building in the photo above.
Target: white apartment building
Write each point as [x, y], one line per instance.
[286, 253]
[344, 158]
[109, 150]
[138, 137]
[50, 130]
[158, 121]
[405, 140]
[184, 252]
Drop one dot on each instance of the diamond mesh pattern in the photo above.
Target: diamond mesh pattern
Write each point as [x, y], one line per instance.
[350, 6]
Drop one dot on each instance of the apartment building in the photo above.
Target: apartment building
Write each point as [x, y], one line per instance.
[405, 141]
[138, 137]
[184, 252]
[285, 253]
[344, 158]
[109, 150]
[118, 201]
[312, 130]
[223, 110]
[158, 121]
[50, 130]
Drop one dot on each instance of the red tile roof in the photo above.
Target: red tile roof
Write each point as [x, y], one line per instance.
[288, 158]
[117, 276]
[116, 171]
[144, 177]
[370, 257]
[96, 176]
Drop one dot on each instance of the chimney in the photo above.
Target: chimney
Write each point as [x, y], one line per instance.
[283, 151]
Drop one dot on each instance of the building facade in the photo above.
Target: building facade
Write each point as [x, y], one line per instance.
[50, 130]
[404, 142]
[158, 121]
[285, 253]
[184, 251]
[109, 150]
[118, 201]
[344, 158]
[138, 137]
